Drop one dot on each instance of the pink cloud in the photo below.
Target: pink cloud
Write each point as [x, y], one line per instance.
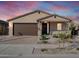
[60, 8]
[31, 5]
[4, 17]
[13, 9]
[16, 6]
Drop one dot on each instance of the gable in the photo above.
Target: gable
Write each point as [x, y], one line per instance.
[55, 18]
[30, 17]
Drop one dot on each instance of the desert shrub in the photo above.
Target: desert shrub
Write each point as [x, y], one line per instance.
[44, 38]
[44, 49]
[68, 35]
[77, 48]
[44, 41]
[55, 35]
[65, 34]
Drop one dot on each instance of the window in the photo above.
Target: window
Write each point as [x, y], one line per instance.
[0, 28]
[59, 26]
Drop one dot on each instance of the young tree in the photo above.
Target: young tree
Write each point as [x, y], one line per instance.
[62, 38]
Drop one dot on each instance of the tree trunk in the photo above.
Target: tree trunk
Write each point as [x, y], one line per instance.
[59, 44]
[63, 44]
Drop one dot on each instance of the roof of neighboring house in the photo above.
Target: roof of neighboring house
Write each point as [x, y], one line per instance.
[28, 14]
[76, 22]
[3, 22]
[54, 16]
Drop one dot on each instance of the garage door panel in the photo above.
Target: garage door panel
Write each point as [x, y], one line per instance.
[25, 29]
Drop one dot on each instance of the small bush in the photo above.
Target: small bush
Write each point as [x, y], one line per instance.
[68, 35]
[44, 50]
[77, 48]
[44, 39]
[55, 35]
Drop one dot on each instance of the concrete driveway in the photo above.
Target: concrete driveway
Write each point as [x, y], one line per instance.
[18, 40]
[19, 50]
[15, 50]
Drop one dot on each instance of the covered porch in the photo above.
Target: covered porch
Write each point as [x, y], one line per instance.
[50, 25]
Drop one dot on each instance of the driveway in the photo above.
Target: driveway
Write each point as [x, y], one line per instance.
[18, 40]
[19, 50]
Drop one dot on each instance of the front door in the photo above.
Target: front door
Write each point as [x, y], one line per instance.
[44, 28]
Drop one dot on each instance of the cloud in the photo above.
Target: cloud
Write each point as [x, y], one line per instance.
[12, 9]
[12, 6]
[58, 7]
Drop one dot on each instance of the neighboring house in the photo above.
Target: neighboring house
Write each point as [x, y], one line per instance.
[37, 23]
[76, 24]
[3, 27]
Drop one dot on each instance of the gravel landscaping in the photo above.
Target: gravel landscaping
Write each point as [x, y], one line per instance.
[22, 46]
[56, 51]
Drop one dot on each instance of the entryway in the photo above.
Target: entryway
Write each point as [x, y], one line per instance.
[44, 28]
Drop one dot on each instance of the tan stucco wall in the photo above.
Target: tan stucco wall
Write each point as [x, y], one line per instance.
[57, 19]
[64, 26]
[10, 28]
[32, 18]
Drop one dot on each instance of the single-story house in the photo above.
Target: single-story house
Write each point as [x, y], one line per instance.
[37, 23]
[3, 27]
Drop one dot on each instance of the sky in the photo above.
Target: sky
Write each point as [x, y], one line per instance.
[11, 9]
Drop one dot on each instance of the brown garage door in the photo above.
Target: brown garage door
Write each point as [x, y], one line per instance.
[25, 29]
